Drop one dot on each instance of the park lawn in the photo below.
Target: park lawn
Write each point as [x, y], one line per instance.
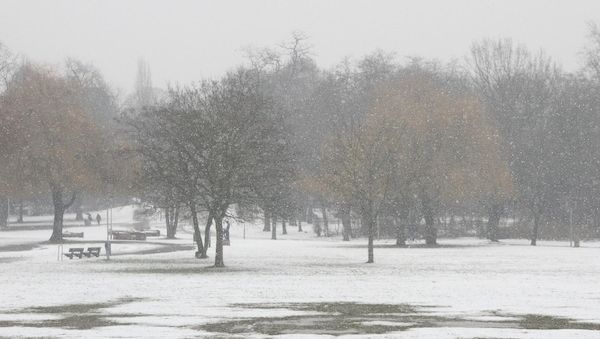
[300, 285]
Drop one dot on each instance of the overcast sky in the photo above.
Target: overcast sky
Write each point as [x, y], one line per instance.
[185, 41]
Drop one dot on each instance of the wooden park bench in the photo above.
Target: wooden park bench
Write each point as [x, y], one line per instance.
[95, 251]
[152, 233]
[68, 234]
[74, 252]
[128, 235]
[119, 235]
[138, 235]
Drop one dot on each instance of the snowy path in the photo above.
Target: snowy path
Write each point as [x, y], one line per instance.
[466, 288]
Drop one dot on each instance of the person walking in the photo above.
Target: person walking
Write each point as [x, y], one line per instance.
[98, 218]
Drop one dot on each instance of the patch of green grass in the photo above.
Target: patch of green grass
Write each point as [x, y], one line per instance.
[545, 322]
[78, 322]
[73, 316]
[355, 318]
[78, 308]
[329, 325]
[344, 308]
[333, 319]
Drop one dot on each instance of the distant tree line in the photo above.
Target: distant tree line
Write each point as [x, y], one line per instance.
[405, 148]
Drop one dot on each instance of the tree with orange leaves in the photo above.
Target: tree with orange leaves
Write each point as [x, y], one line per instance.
[52, 143]
[422, 137]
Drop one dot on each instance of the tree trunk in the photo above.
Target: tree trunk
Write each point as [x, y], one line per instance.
[493, 221]
[78, 208]
[400, 233]
[346, 222]
[57, 227]
[364, 226]
[59, 211]
[534, 233]
[370, 220]
[3, 212]
[283, 227]
[576, 241]
[301, 213]
[219, 246]
[175, 221]
[466, 226]
[273, 228]
[430, 230]
[267, 221]
[200, 254]
[207, 234]
[309, 215]
[169, 222]
[20, 219]
[325, 220]
[168, 219]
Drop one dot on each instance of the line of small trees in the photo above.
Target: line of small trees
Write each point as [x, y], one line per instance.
[506, 129]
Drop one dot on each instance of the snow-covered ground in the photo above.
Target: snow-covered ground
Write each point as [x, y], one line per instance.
[297, 286]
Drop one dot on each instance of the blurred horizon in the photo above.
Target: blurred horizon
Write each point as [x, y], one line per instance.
[185, 41]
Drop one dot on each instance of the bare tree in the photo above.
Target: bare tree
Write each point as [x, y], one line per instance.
[298, 50]
[519, 90]
[143, 91]
[7, 66]
[591, 52]
[214, 143]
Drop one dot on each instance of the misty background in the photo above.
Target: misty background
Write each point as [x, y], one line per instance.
[178, 169]
[183, 41]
